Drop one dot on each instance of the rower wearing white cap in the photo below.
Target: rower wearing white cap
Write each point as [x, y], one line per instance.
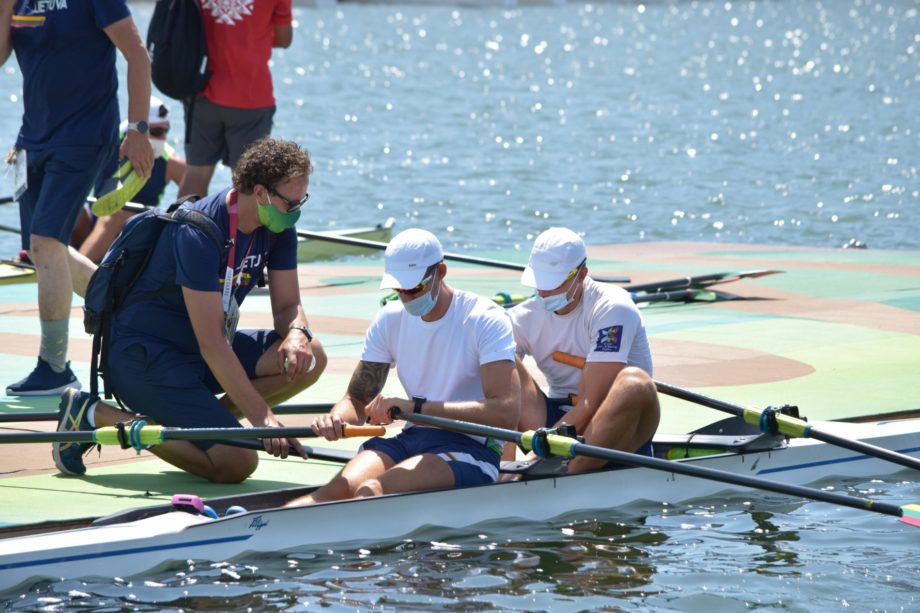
[612, 401]
[454, 353]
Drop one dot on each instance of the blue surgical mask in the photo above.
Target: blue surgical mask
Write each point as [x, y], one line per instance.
[421, 306]
[556, 302]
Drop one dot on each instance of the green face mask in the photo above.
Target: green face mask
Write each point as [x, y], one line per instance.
[275, 220]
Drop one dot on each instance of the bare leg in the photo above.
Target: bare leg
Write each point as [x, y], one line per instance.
[363, 467]
[533, 407]
[196, 180]
[102, 235]
[415, 474]
[81, 269]
[626, 419]
[274, 386]
[54, 284]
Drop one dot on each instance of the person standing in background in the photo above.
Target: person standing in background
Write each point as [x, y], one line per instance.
[168, 167]
[237, 106]
[66, 52]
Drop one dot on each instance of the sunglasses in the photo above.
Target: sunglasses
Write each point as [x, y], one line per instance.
[292, 205]
[421, 287]
[158, 132]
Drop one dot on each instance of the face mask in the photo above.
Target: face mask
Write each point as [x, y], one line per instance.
[275, 220]
[159, 146]
[556, 302]
[421, 306]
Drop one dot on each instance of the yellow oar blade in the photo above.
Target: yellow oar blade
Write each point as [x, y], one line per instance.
[116, 199]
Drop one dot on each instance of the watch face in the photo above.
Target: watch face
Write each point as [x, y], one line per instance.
[141, 126]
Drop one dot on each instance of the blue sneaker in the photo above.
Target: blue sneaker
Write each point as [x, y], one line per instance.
[68, 457]
[43, 381]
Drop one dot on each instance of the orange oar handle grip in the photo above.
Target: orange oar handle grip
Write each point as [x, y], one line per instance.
[350, 430]
[567, 358]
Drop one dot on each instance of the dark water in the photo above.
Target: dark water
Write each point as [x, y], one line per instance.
[737, 553]
[757, 122]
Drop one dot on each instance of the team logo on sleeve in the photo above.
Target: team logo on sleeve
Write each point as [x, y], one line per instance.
[608, 339]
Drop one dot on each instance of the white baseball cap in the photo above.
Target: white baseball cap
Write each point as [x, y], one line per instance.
[158, 111]
[555, 254]
[407, 258]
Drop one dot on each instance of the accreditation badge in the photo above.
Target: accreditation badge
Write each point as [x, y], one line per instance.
[231, 320]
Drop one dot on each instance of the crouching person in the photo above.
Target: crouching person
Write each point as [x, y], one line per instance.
[173, 346]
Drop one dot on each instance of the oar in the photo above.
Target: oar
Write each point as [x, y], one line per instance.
[7, 199]
[315, 453]
[699, 281]
[788, 425]
[569, 447]
[360, 242]
[281, 409]
[154, 435]
[785, 424]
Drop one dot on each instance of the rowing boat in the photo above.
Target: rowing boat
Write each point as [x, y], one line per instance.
[140, 540]
[314, 250]
[14, 271]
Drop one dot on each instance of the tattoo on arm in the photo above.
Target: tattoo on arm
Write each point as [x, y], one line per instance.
[368, 380]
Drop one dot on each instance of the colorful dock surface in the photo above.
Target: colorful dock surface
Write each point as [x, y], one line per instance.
[838, 335]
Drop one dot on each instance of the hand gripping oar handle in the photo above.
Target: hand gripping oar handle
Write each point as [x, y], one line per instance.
[569, 447]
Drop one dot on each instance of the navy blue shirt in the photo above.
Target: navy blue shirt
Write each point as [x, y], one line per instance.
[70, 86]
[185, 256]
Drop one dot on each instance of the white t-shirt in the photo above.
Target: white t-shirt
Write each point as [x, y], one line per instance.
[440, 360]
[606, 326]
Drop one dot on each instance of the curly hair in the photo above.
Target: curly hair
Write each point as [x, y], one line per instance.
[268, 162]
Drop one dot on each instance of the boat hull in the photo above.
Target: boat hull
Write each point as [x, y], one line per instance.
[126, 549]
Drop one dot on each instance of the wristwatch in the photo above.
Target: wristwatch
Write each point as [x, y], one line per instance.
[139, 126]
[419, 401]
[305, 330]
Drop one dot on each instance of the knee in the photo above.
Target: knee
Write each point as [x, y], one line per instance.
[636, 380]
[369, 488]
[235, 472]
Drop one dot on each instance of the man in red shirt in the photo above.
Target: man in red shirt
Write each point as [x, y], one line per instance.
[237, 106]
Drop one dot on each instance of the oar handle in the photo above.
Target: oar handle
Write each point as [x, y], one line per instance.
[351, 430]
[567, 358]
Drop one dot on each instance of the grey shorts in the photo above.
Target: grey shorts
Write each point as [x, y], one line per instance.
[222, 133]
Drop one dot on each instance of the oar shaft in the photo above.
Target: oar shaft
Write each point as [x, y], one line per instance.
[315, 453]
[680, 467]
[456, 257]
[153, 435]
[13, 417]
[790, 426]
[281, 409]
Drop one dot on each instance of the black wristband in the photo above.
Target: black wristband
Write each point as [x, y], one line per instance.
[419, 401]
[305, 330]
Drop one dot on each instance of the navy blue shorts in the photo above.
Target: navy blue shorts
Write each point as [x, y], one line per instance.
[178, 389]
[555, 412]
[60, 178]
[471, 462]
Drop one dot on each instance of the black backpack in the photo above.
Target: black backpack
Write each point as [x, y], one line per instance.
[109, 288]
[178, 49]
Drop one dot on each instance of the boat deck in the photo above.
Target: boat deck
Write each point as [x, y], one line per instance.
[838, 335]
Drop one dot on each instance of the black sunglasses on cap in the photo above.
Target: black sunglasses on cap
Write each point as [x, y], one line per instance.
[158, 132]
